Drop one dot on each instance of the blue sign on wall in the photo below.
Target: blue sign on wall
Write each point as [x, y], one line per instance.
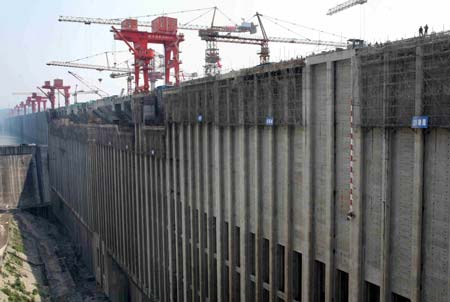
[200, 118]
[419, 122]
[269, 121]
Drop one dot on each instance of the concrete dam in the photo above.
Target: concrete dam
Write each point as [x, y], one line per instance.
[294, 181]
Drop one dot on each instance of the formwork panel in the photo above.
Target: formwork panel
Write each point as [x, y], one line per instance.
[342, 161]
[401, 210]
[436, 229]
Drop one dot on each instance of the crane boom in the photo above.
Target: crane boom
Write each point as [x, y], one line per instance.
[101, 21]
[344, 6]
[88, 66]
[258, 41]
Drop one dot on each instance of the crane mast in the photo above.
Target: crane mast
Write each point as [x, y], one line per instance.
[264, 54]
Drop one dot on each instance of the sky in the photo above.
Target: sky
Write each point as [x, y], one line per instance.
[32, 36]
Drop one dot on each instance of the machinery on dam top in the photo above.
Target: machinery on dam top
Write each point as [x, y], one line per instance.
[165, 31]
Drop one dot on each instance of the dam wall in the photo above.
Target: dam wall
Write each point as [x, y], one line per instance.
[303, 180]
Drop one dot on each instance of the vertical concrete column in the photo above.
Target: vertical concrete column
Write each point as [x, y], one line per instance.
[164, 227]
[159, 222]
[208, 202]
[218, 200]
[43, 158]
[122, 207]
[143, 217]
[212, 176]
[123, 186]
[256, 194]
[171, 208]
[183, 199]
[197, 152]
[104, 162]
[172, 186]
[270, 190]
[34, 170]
[241, 200]
[115, 201]
[308, 256]
[386, 189]
[228, 199]
[191, 202]
[356, 223]
[418, 177]
[288, 83]
[146, 212]
[136, 184]
[130, 209]
[330, 181]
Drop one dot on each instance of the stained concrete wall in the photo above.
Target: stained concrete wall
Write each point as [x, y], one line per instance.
[24, 177]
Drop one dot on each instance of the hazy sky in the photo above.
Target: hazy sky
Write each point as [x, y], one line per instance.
[32, 36]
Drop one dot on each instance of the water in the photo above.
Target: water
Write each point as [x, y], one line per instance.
[6, 140]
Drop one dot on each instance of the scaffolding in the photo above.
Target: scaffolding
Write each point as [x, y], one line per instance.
[388, 80]
[262, 95]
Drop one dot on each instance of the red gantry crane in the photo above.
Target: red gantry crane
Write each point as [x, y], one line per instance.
[164, 31]
[57, 86]
[33, 99]
[39, 100]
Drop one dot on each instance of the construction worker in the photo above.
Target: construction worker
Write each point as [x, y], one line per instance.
[420, 31]
[426, 29]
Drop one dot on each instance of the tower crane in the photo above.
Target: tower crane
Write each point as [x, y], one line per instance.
[263, 42]
[101, 93]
